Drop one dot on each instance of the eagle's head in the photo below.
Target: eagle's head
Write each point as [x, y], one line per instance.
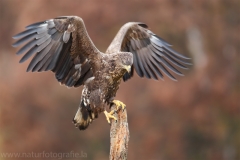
[125, 61]
[121, 63]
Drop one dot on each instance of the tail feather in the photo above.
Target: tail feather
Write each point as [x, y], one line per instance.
[82, 118]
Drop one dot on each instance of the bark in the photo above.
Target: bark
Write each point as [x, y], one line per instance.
[119, 135]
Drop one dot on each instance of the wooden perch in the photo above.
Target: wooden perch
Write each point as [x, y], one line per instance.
[119, 135]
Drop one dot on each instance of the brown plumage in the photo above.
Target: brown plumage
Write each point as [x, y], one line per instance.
[63, 46]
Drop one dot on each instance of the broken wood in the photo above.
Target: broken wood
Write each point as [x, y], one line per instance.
[119, 136]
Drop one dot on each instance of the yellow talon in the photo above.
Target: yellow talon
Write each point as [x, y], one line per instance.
[109, 115]
[119, 104]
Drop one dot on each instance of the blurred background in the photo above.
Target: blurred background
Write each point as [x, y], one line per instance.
[196, 118]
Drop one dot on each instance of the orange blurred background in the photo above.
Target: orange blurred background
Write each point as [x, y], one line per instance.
[196, 118]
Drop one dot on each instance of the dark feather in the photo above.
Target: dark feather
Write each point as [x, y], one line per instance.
[135, 63]
[24, 40]
[45, 56]
[150, 68]
[47, 59]
[39, 56]
[35, 25]
[169, 49]
[25, 33]
[162, 68]
[36, 48]
[65, 68]
[55, 57]
[62, 57]
[140, 60]
[82, 78]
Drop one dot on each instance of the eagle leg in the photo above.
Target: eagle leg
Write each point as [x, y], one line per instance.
[119, 104]
[109, 115]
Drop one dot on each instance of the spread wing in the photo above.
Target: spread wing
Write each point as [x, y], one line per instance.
[152, 56]
[55, 45]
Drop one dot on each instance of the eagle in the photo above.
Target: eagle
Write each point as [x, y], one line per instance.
[63, 46]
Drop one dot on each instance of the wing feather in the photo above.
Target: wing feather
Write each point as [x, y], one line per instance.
[135, 62]
[39, 57]
[142, 63]
[24, 40]
[36, 48]
[54, 45]
[35, 25]
[152, 55]
[150, 68]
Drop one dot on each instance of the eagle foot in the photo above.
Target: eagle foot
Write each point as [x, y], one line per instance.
[110, 115]
[119, 105]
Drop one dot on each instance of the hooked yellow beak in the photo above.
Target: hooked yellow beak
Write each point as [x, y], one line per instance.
[128, 68]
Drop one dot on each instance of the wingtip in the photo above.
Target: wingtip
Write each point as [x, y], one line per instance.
[186, 63]
[14, 45]
[15, 36]
[174, 79]
[35, 25]
[18, 52]
[29, 69]
[185, 57]
[180, 74]
[23, 59]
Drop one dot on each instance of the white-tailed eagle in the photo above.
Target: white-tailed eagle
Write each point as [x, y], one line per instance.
[62, 45]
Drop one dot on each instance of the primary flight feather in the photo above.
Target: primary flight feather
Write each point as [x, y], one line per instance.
[63, 46]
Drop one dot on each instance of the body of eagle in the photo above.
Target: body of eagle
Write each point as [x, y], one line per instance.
[62, 45]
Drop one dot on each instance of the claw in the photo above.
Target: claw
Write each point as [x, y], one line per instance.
[119, 104]
[110, 115]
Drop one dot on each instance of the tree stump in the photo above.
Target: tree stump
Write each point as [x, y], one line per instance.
[119, 136]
